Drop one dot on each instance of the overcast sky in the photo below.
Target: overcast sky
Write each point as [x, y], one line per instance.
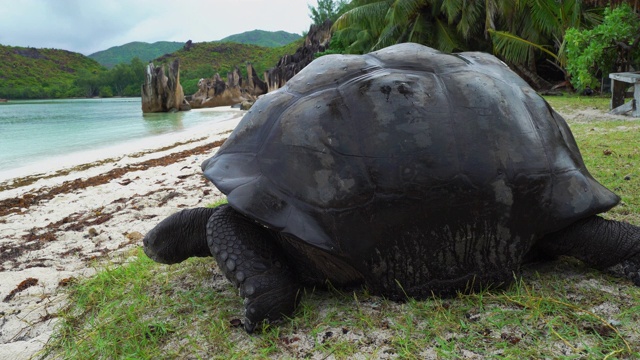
[88, 26]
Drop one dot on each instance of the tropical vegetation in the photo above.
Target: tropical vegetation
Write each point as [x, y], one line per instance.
[29, 73]
[327, 10]
[121, 80]
[609, 47]
[528, 34]
[41, 73]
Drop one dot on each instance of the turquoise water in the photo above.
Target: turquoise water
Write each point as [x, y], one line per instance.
[33, 131]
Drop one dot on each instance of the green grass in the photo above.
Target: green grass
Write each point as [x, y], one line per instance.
[570, 102]
[559, 310]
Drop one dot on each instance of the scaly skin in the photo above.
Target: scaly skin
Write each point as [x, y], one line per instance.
[250, 258]
[603, 244]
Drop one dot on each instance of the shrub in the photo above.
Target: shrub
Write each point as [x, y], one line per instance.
[593, 53]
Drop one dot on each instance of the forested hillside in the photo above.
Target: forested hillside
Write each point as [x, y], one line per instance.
[29, 73]
[203, 60]
[141, 50]
[263, 38]
[42, 73]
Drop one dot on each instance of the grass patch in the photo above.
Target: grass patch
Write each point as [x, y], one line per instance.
[570, 102]
[562, 309]
[143, 310]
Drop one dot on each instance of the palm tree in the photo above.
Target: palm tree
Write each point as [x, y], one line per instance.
[519, 31]
[360, 27]
[538, 25]
[373, 24]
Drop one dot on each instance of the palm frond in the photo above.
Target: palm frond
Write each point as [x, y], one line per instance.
[417, 31]
[591, 18]
[452, 9]
[469, 17]
[514, 48]
[388, 37]
[544, 14]
[444, 38]
[404, 9]
[369, 14]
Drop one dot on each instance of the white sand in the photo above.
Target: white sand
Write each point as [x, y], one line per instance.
[129, 205]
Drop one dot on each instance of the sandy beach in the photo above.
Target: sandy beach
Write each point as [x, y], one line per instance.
[54, 224]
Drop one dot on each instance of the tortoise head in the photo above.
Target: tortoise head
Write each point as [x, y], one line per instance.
[180, 236]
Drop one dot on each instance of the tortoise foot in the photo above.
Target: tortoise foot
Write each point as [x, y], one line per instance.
[268, 296]
[629, 269]
[250, 258]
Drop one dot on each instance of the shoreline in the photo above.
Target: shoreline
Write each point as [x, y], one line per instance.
[55, 224]
[147, 143]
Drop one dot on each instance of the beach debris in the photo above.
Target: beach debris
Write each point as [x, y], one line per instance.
[67, 281]
[17, 204]
[168, 197]
[134, 236]
[29, 282]
[93, 232]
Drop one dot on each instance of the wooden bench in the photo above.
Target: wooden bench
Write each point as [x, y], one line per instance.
[619, 84]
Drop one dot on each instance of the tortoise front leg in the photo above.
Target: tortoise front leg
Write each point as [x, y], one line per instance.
[250, 258]
[603, 244]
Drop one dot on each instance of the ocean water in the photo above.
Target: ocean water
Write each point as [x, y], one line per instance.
[50, 131]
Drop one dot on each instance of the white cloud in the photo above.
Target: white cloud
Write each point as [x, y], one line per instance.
[89, 26]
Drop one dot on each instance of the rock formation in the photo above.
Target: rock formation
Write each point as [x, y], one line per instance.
[235, 90]
[216, 92]
[163, 93]
[317, 40]
[255, 85]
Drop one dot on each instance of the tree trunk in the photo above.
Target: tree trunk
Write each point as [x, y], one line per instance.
[531, 77]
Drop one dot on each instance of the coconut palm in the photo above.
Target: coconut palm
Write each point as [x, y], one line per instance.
[516, 30]
[374, 24]
[538, 25]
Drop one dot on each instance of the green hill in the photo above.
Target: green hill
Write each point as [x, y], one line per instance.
[142, 50]
[203, 60]
[29, 73]
[263, 38]
[41, 73]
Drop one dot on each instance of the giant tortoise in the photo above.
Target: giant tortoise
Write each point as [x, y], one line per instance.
[408, 170]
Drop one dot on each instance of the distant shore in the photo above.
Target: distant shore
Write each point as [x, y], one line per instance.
[54, 224]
